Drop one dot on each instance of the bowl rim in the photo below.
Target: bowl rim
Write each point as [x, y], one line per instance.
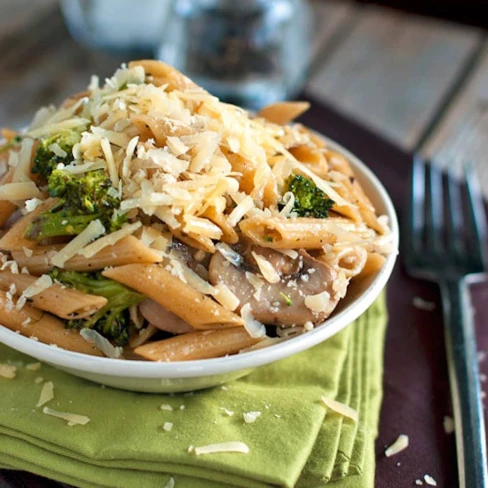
[251, 359]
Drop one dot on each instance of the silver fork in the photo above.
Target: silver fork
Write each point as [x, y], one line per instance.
[447, 247]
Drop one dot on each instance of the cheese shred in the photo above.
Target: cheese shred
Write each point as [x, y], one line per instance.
[232, 446]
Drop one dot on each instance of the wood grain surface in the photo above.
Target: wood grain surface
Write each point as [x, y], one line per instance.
[462, 134]
[392, 70]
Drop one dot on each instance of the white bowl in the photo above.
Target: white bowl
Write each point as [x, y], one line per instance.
[193, 375]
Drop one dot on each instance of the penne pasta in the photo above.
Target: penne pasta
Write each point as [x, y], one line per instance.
[313, 157]
[128, 250]
[66, 303]
[34, 323]
[164, 74]
[8, 134]
[177, 296]
[6, 208]
[350, 259]
[283, 112]
[198, 345]
[298, 233]
[229, 235]
[374, 262]
[13, 239]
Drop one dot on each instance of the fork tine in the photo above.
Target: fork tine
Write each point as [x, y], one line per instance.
[476, 217]
[434, 209]
[454, 223]
[414, 220]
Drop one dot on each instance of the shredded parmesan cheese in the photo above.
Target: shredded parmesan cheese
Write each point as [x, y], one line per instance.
[448, 424]
[167, 426]
[7, 371]
[165, 406]
[109, 240]
[31, 205]
[227, 411]
[101, 343]
[33, 366]
[253, 327]
[399, 445]
[318, 303]
[40, 285]
[341, 408]
[19, 191]
[240, 210]
[28, 252]
[71, 418]
[266, 268]
[429, 480]
[170, 483]
[22, 168]
[232, 446]
[422, 304]
[109, 158]
[93, 230]
[250, 417]
[225, 297]
[47, 394]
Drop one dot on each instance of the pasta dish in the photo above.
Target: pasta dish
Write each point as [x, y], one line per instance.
[146, 219]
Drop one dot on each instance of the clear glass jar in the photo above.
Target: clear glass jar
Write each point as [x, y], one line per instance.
[248, 52]
[128, 27]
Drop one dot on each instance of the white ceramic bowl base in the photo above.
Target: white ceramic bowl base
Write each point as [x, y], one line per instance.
[193, 375]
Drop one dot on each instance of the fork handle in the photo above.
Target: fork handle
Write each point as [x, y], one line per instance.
[462, 362]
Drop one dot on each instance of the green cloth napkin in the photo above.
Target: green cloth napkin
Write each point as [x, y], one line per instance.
[295, 442]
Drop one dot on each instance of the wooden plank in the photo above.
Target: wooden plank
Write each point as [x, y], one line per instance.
[328, 21]
[45, 67]
[393, 70]
[462, 135]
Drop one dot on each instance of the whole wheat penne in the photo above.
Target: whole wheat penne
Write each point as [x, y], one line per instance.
[349, 259]
[126, 251]
[63, 302]
[6, 211]
[14, 239]
[366, 208]
[312, 157]
[374, 262]
[283, 112]
[299, 233]
[198, 345]
[32, 322]
[338, 162]
[178, 297]
[6, 208]
[8, 134]
[164, 74]
[194, 240]
[229, 235]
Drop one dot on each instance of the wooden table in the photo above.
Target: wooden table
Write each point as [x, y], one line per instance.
[420, 83]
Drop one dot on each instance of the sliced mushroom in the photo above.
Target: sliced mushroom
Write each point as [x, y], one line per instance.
[304, 293]
[163, 319]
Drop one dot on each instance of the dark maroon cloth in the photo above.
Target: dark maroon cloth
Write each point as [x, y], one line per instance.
[416, 388]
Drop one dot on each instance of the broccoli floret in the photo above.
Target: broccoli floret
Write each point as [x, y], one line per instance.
[310, 201]
[45, 160]
[82, 199]
[112, 320]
